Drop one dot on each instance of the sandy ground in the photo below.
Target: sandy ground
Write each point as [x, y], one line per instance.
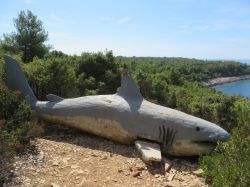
[67, 157]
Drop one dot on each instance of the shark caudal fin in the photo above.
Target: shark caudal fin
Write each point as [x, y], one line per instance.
[16, 80]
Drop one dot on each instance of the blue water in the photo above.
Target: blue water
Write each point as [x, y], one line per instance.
[244, 61]
[235, 88]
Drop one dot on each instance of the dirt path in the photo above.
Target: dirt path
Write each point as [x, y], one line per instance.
[70, 158]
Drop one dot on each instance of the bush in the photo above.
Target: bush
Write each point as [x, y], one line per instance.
[229, 164]
[15, 128]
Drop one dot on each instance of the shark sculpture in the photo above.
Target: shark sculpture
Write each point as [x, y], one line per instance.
[124, 116]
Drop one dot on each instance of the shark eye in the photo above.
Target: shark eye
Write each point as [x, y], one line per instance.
[197, 129]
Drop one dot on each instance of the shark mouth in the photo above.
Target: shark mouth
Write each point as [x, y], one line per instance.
[191, 148]
[205, 143]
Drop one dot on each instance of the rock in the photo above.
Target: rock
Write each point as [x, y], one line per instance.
[140, 168]
[168, 185]
[55, 185]
[40, 157]
[157, 176]
[195, 183]
[171, 177]
[94, 155]
[65, 160]
[137, 174]
[55, 163]
[149, 151]
[198, 172]
[74, 166]
[120, 170]
[167, 164]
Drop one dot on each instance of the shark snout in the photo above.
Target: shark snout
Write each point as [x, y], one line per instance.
[219, 134]
[224, 135]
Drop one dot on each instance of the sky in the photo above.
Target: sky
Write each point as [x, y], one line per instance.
[206, 29]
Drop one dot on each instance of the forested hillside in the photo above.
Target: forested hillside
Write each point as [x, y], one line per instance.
[170, 82]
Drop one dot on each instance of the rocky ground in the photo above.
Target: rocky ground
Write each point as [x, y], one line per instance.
[66, 157]
[222, 80]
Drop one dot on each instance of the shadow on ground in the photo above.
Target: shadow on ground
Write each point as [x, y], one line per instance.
[64, 134]
[7, 161]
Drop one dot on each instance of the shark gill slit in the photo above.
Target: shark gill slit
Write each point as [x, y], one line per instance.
[167, 137]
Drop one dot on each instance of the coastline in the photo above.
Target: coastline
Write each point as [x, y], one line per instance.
[223, 80]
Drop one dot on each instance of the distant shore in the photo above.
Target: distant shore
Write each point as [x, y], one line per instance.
[222, 80]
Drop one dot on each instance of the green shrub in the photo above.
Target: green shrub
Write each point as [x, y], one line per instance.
[15, 128]
[14, 116]
[229, 164]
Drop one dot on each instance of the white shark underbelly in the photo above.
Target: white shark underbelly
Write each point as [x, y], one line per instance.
[106, 128]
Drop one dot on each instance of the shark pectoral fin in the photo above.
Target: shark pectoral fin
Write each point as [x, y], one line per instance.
[54, 98]
[150, 151]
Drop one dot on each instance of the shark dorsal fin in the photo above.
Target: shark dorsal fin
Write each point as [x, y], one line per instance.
[128, 87]
[54, 98]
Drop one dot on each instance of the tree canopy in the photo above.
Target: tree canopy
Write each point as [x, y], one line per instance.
[29, 38]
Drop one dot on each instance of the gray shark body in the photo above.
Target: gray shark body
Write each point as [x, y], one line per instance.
[124, 117]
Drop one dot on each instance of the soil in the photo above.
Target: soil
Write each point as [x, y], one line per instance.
[64, 157]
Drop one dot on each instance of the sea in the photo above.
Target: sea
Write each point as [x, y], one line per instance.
[241, 87]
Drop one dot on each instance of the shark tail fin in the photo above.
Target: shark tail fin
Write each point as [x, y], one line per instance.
[16, 80]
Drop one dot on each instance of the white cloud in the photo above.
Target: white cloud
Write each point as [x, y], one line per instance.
[121, 20]
[58, 19]
[202, 27]
[124, 19]
[235, 9]
[189, 29]
[27, 1]
[105, 18]
[55, 18]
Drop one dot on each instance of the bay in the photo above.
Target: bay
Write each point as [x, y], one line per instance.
[241, 87]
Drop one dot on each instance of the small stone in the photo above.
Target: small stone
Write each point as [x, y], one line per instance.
[120, 170]
[94, 155]
[171, 177]
[40, 156]
[55, 163]
[168, 185]
[140, 167]
[65, 160]
[137, 174]
[55, 185]
[198, 172]
[168, 164]
[157, 176]
[104, 158]
[74, 166]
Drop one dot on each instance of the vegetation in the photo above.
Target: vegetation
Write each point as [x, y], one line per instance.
[229, 164]
[172, 82]
[29, 38]
[15, 128]
[160, 82]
